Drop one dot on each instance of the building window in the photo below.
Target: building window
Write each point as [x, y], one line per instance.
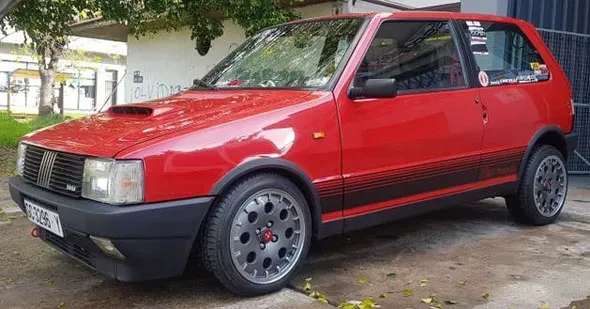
[111, 87]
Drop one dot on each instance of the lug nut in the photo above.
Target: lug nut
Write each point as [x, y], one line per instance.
[262, 246]
[274, 238]
[257, 231]
[269, 224]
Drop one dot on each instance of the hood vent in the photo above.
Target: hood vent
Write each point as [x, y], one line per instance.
[131, 110]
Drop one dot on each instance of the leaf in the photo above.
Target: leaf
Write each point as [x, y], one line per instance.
[485, 295]
[423, 283]
[322, 299]
[319, 296]
[391, 275]
[545, 305]
[362, 280]
[61, 305]
[383, 295]
[10, 280]
[307, 285]
[351, 304]
[450, 302]
[368, 304]
[426, 300]
[49, 283]
[408, 292]
[463, 283]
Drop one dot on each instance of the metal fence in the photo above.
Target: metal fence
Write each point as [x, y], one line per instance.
[572, 50]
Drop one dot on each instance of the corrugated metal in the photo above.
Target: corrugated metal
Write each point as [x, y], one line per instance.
[565, 28]
[562, 15]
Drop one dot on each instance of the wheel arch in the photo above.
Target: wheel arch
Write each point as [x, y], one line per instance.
[549, 135]
[279, 166]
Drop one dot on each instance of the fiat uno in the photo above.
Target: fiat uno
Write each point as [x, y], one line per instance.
[309, 129]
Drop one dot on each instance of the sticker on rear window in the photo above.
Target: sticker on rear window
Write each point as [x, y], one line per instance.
[484, 79]
[540, 71]
[478, 38]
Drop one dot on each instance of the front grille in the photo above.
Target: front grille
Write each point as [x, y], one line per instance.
[56, 171]
[71, 245]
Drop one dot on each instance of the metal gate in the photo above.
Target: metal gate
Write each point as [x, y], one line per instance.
[572, 50]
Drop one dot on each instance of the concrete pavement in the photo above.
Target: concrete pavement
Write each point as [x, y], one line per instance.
[460, 255]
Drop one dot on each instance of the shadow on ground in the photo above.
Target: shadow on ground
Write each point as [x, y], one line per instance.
[458, 254]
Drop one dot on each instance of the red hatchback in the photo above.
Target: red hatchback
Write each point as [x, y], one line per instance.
[309, 129]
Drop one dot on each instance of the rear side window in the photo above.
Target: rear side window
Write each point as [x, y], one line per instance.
[420, 55]
[503, 54]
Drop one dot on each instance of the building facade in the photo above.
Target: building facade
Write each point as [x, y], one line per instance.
[91, 72]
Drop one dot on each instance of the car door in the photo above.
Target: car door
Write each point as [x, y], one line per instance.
[513, 88]
[422, 143]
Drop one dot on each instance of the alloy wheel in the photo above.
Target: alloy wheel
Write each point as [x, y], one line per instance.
[267, 236]
[550, 186]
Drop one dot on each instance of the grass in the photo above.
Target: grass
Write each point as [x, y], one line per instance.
[11, 130]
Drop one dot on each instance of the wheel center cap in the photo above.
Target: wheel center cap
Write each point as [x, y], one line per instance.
[267, 235]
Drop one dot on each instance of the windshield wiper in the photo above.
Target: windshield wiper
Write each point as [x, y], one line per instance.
[201, 84]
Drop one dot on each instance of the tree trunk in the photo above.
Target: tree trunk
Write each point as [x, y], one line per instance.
[46, 91]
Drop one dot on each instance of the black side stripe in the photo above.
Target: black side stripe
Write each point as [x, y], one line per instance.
[394, 184]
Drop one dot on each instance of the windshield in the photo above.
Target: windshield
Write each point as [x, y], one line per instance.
[299, 55]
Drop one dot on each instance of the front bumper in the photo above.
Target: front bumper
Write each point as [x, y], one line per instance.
[156, 239]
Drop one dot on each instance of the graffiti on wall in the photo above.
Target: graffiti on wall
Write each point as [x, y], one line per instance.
[157, 90]
[150, 91]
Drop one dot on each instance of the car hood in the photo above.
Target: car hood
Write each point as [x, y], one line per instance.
[122, 126]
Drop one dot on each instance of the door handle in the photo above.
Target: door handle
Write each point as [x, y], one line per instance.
[485, 114]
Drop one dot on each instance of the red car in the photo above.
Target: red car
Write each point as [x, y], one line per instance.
[309, 129]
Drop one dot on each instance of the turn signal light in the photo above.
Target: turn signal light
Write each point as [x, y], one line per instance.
[107, 247]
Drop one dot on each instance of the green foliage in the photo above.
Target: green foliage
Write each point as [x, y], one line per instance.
[203, 17]
[11, 130]
[47, 25]
[47, 22]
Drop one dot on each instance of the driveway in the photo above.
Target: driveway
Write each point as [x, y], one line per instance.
[467, 256]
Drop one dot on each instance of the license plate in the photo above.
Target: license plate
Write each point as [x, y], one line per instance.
[44, 218]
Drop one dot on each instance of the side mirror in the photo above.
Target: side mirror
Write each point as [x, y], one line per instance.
[375, 88]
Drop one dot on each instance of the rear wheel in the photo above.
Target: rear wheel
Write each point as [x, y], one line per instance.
[543, 188]
[258, 235]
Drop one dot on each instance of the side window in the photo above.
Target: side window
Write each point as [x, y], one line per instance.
[420, 55]
[503, 54]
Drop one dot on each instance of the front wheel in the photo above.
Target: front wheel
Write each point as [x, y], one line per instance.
[543, 188]
[257, 235]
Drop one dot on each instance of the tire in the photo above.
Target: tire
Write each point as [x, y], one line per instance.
[542, 190]
[274, 214]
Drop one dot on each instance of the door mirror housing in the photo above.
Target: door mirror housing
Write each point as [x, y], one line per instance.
[374, 89]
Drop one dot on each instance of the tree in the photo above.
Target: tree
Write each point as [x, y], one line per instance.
[203, 17]
[47, 26]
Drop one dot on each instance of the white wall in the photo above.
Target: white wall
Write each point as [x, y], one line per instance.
[364, 7]
[168, 62]
[495, 7]
[422, 3]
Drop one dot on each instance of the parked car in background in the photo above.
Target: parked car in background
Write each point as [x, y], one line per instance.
[309, 129]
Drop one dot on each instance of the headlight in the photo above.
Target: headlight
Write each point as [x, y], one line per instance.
[113, 181]
[20, 158]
